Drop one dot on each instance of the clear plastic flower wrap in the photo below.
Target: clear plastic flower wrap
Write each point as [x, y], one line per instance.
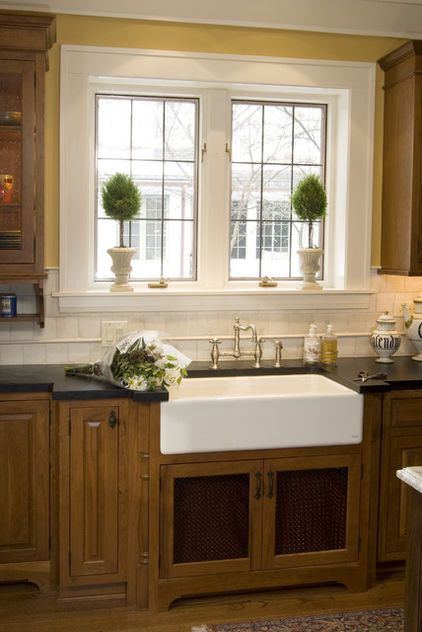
[139, 362]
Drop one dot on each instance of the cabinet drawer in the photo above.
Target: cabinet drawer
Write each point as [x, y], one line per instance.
[406, 412]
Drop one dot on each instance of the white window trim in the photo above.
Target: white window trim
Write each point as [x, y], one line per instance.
[351, 85]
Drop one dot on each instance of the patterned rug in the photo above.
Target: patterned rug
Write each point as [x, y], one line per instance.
[390, 620]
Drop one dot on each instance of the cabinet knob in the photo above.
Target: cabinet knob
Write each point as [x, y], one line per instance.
[112, 419]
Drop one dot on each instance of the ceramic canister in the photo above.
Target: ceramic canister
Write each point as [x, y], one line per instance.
[385, 339]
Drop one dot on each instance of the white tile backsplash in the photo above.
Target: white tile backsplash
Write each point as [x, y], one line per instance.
[76, 337]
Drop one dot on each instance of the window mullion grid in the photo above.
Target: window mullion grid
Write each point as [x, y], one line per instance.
[261, 192]
[131, 162]
[162, 190]
[291, 190]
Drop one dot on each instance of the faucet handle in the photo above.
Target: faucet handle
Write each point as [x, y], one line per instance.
[215, 352]
[258, 351]
[278, 347]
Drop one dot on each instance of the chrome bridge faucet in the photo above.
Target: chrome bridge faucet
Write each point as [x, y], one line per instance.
[216, 354]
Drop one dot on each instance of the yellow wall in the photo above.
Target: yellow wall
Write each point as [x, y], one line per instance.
[202, 38]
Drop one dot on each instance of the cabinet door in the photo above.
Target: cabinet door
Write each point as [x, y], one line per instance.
[311, 510]
[398, 452]
[24, 481]
[97, 492]
[211, 517]
[17, 156]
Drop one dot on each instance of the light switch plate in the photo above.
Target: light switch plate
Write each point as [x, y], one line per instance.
[112, 331]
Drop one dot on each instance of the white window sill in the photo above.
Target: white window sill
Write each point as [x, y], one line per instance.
[210, 300]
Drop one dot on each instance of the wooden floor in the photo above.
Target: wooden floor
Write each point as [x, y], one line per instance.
[23, 608]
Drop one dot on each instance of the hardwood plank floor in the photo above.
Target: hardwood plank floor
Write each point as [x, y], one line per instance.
[23, 608]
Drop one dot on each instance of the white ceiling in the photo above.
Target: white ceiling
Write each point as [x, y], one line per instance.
[398, 18]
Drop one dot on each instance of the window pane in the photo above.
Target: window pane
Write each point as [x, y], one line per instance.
[180, 130]
[147, 130]
[246, 266]
[159, 151]
[274, 146]
[307, 135]
[179, 182]
[108, 237]
[247, 132]
[246, 190]
[278, 130]
[178, 254]
[113, 128]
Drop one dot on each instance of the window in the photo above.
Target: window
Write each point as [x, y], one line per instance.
[154, 139]
[238, 240]
[274, 145]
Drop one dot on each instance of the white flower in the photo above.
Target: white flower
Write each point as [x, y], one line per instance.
[136, 383]
[161, 362]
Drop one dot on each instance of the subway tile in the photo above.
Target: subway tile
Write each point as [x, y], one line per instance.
[56, 353]
[34, 353]
[78, 351]
[67, 327]
[89, 327]
[11, 354]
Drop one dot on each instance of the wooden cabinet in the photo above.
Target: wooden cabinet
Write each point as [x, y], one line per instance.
[401, 244]
[401, 447]
[24, 42]
[24, 480]
[93, 493]
[260, 514]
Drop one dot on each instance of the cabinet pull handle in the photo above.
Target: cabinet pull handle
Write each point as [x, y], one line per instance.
[258, 480]
[112, 419]
[94, 424]
[270, 484]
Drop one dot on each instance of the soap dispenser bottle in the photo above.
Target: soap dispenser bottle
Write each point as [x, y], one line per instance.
[328, 353]
[311, 346]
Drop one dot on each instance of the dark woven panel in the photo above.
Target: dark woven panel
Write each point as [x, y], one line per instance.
[211, 518]
[311, 510]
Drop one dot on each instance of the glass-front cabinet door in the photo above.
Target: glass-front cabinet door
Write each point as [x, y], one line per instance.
[211, 518]
[18, 191]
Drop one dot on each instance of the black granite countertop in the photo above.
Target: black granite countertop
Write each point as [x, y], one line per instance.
[51, 378]
[405, 373]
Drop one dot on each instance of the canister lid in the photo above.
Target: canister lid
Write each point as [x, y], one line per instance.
[387, 318]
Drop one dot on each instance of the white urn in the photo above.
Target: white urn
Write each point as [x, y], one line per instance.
[385, 339]
[413, 324]
[309, 266]
[121, 268]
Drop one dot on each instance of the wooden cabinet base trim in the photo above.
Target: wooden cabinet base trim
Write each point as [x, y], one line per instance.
[37, 573]
[168, 591]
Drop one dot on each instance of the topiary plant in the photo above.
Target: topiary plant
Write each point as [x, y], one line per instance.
[309, 200]
[121, 200]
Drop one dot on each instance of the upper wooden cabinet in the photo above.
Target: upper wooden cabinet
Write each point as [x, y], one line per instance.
[401, 245]
[24, 42]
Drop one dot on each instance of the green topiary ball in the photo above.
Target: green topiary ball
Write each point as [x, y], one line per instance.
[121, 197]
[309, 199]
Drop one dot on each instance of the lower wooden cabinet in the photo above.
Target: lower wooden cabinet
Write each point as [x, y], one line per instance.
[24, 480]
[401, 447]
[93, 493]
[268, 514]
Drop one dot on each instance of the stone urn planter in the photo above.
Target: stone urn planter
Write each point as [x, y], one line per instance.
[309, 261]
[121, 268]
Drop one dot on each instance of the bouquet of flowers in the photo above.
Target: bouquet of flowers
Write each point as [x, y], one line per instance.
[139, 362]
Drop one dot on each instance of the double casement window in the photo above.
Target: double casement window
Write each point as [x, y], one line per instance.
[216, 144]
[157, 139]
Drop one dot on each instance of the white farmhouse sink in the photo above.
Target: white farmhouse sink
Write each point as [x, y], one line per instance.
[259, 412]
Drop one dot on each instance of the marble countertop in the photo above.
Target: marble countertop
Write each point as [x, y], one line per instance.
[412, 476]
